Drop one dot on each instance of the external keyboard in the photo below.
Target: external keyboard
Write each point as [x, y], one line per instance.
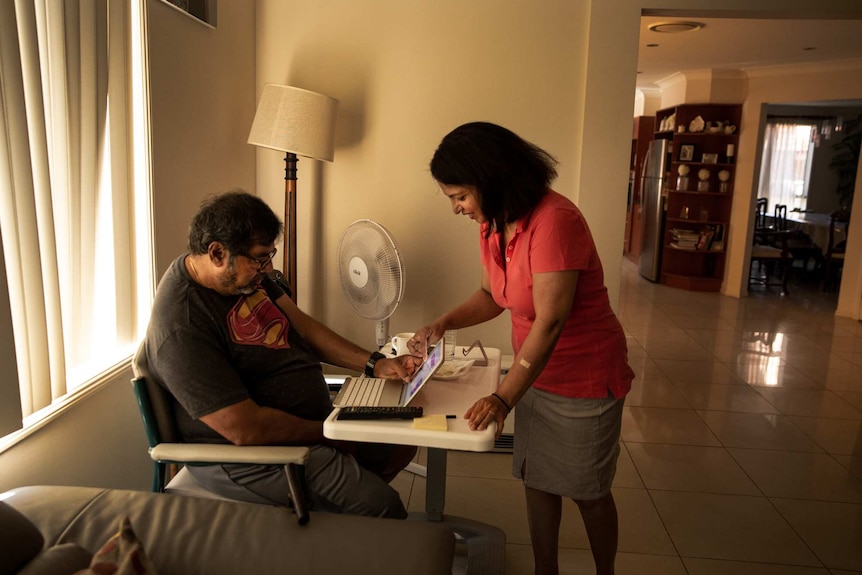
[379, 412]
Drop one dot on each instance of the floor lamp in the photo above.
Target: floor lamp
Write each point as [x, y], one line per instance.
[299, 123]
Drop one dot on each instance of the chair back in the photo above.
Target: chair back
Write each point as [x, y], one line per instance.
[760, 213]
[780, 217]
[156, 411]
[835, 218]
[154, 402]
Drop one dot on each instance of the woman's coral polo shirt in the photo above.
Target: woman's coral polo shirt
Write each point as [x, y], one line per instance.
[589, 359]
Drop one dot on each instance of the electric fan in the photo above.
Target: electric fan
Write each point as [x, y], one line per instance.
[371, 270]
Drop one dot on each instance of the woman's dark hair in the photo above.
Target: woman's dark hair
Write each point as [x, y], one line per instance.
[237, 220]
[510, 174]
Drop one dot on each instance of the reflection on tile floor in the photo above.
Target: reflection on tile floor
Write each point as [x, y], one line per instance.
[741, 443]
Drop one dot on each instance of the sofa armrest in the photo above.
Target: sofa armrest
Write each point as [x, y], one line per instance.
[20, 540]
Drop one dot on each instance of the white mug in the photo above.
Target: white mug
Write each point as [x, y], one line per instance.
[399, 343]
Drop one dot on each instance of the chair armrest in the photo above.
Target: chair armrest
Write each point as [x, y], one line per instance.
[218, 453]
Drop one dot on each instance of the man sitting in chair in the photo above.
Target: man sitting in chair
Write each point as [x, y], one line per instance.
[242, 363]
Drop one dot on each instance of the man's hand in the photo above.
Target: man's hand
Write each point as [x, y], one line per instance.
[401, 367]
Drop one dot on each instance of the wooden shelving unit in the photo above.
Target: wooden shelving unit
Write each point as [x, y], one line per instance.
[698, 208]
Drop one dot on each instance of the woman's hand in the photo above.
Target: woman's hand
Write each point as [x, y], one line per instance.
[424, 337]
[488, 409]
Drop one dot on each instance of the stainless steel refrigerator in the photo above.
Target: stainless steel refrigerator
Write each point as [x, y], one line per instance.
[652, 209]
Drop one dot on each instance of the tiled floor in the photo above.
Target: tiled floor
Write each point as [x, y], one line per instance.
[741, 442]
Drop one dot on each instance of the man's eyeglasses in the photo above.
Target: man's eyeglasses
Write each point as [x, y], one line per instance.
[263, 260]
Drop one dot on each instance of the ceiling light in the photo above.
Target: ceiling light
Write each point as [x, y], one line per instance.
[675, 27]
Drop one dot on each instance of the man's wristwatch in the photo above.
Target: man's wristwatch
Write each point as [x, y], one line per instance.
[372, 361]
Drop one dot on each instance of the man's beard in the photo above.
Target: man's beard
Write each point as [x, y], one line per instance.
[229, 283]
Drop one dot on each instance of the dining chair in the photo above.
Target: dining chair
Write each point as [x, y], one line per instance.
[770, 251]
[761, 225]
[834, 256]
[168, 451]
[802, 249]
[779, 217]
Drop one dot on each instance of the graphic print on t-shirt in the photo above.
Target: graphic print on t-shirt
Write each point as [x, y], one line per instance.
[255, 320]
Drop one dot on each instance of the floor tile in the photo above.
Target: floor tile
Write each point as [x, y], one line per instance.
[661, 425]
[732, 527]
[758, 431]
[641, 564]
[641, 528]
[815, 476]
[519, 561]
[706, 372]
[854, 398]
[710, 338]
[627, 475]
[655, 394]
[836, 436]
[809, 402]
[773, 372]
[489, 465]
[832, 530]
[690, 468]
[670, 346]
[700, 322]
[851, 464]
[736, 398]
[716, 567]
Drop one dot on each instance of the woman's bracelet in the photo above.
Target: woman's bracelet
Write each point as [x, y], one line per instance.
[503, 401]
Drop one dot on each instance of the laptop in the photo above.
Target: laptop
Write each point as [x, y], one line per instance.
[377, 391]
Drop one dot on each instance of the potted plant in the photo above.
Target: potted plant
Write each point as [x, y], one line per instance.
[846, 159]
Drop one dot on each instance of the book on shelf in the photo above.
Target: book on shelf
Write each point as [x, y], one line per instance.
[683, 239]
[709, 237]
[704, 237]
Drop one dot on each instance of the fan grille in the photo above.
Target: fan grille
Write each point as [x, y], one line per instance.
[371, 269]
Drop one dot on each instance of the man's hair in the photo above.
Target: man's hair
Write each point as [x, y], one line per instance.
[236, 219]
[510, 174]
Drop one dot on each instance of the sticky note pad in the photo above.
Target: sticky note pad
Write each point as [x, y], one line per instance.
[434, 422]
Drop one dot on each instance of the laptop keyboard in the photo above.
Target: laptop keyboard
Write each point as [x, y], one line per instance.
[363, 391]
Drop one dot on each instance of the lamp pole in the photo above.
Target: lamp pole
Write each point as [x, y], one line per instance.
[289, 261]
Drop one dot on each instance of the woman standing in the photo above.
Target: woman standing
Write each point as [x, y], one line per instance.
[570, 374]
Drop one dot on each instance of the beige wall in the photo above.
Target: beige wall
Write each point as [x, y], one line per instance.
[202, 98]
[405, 74]
[97, 442]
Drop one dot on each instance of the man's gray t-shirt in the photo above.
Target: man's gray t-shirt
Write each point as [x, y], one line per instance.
[212, 351]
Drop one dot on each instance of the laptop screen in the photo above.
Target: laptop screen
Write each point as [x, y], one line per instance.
[424, 373]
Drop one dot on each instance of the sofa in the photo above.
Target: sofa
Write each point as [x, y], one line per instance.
[57, 530]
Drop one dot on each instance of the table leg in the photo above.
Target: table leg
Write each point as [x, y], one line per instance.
[435, 484]
[486, 544]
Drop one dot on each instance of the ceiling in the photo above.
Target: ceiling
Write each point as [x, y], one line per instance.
[737, 44]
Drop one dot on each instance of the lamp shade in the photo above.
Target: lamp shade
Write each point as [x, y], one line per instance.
[295, 120]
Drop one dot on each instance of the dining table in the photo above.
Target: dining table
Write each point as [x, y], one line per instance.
[816, 227]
